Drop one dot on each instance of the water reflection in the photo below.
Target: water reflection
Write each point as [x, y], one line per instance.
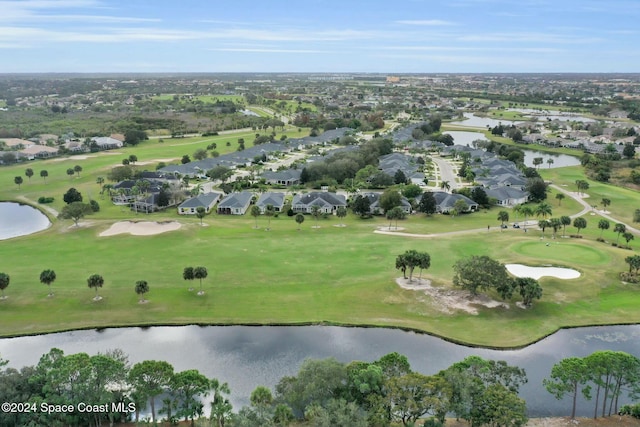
[246, 357]
[20, 220]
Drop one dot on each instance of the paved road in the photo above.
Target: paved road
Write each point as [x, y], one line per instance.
[446, 172]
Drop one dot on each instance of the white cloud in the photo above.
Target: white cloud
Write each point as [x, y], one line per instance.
[266, 50]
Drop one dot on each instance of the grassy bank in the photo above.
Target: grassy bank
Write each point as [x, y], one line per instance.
[339, 275]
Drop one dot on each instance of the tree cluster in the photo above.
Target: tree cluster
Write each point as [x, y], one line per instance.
[602, 376]
[107, 379]
[342, 166]
[484, 273]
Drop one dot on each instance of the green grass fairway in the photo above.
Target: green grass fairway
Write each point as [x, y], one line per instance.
[336, 275]
[561, 250]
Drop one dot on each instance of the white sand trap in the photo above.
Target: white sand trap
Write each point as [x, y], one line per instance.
[520, 270]
[142, 228]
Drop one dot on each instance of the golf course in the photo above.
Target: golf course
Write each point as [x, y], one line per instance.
[320, 274]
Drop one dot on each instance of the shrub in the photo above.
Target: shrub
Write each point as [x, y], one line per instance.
[95, 207]
[43, 199]
[433, 422]
[576, 236]
[633, 410]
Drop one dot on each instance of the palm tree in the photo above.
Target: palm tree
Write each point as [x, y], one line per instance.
[142, 287]
[565, 220]
[47, 277]
[580, 223]
[628, 237]
[526, 212]
[555, 223]
[606, 203]
[559, 197]
[187, 274]
[603, 224]
[200, 273]
[135, 192]
[543, 209]
[44, 174]
[503, 216]
[299, 220]
[95, 281]
[549, 162]
[517, 209]
[100, 180]
[619, 228]
[444, 185]
[543, 224]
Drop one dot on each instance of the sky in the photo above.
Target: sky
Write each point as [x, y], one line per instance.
[317, 36]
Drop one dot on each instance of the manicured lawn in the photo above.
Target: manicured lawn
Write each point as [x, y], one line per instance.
[623, 201]
[342, 275]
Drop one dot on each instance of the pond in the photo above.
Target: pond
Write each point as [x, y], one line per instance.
[559, 160]
[19, 220]
[471, 120]
[461, 137]
[248, 356]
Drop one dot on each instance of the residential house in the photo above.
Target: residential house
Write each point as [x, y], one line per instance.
[107, 143]
[39, 152]
[445, 202]
[235, 203]
[286, 177]
[206, 200]
[508, 196]
[326, 201]
[374, 204]
[274, 199]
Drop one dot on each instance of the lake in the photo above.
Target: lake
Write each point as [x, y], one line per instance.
[20, 220]
[471, 120]
[559, 160]
[247, 356]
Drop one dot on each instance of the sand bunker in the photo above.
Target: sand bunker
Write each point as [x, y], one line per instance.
[450, 300]
[142, 228]
[520, 270]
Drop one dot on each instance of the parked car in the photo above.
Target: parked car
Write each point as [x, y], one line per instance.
[504, 226]
[515, 225]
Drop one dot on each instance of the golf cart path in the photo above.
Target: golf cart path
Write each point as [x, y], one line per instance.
[587, 208]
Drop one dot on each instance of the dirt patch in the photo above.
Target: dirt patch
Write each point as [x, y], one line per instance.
[450, 300]
[142, 228]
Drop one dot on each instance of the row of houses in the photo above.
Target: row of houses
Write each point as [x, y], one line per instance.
[238, 203]
[247, 156]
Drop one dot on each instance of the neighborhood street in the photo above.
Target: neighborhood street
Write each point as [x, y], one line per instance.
[446, 172]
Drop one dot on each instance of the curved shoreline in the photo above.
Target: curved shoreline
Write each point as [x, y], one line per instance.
[320, 323]
[23, 201]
